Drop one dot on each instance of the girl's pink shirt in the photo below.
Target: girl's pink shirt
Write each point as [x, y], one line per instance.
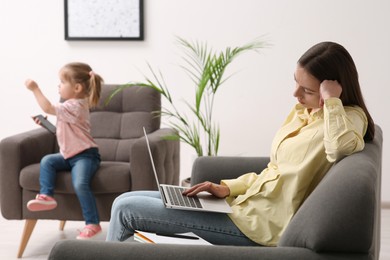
[73, 127]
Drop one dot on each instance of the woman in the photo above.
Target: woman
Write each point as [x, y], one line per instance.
[329, 122]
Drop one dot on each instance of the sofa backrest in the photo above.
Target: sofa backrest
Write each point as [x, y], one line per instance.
[115, 126]
[343, 213]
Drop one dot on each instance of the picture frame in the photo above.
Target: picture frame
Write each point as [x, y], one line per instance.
[118, 20]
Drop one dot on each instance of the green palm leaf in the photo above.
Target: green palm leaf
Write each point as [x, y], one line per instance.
[206, 69]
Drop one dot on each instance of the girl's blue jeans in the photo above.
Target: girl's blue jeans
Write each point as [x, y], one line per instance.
[83, 167]
[144, 210]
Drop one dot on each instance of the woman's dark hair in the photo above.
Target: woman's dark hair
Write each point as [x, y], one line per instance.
[331, 61]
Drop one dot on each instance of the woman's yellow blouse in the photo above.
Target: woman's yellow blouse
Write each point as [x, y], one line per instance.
[303, 150]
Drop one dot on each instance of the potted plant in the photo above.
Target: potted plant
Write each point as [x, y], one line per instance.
[206, 69]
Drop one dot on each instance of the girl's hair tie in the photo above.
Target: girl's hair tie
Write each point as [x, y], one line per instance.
[91, 73]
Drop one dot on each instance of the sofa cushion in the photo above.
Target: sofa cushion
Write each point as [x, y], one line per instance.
[112, 177]
[116, 125]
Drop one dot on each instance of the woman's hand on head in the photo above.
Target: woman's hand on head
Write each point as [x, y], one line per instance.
[220, 191]
[329, 89]
[31, 84]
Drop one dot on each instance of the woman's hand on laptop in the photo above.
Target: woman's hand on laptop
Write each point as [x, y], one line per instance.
[220, 191]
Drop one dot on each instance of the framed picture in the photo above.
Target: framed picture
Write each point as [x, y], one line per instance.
[104, 20]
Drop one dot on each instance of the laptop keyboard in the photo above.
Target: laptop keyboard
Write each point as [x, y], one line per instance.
[178, 199]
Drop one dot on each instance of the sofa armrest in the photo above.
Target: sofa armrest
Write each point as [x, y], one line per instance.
[16, 152]
[166, 155]
[215, 169]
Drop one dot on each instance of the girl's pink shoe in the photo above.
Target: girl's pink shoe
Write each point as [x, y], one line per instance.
[42, 202]
[89, 231]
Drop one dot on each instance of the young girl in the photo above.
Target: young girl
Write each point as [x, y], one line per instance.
[80, 89]
[329, 121]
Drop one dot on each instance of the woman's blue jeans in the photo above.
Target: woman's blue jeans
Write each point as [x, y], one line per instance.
[83, 167]
[144, 210]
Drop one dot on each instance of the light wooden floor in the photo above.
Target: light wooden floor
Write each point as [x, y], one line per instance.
[46, 234]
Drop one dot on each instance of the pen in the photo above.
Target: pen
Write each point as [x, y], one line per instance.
[177, 236]
[145, 238]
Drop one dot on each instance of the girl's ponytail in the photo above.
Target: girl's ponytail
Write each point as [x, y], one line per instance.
[95, 86]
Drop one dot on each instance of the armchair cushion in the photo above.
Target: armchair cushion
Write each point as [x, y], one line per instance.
[111, 177]
[117, 125]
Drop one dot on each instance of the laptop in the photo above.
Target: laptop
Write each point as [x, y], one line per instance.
[173, 198]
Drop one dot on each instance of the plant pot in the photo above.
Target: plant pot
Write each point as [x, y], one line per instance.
[186, 182]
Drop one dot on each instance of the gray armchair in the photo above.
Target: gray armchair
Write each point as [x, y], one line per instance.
[339, 220]
[117, 128]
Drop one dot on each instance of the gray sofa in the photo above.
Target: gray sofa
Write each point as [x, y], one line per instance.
[339, 220]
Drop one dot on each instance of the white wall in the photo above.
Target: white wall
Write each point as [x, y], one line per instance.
[252, 104]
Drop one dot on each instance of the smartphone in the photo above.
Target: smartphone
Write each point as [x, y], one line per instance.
[45, 123]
